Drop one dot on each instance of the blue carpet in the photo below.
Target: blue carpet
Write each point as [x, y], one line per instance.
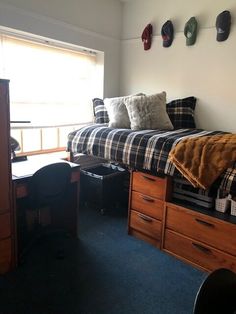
[105, 271]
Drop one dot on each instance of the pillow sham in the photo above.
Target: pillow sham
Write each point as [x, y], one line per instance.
[100, 112]
[117, 112]
[181, 112]
[148, 112]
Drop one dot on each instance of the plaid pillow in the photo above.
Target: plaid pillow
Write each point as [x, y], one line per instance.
[181, 112]
[100, 112]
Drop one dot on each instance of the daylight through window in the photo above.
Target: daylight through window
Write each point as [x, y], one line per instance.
[50, 86]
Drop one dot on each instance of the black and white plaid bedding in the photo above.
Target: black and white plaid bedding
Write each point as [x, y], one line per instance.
[142, 150]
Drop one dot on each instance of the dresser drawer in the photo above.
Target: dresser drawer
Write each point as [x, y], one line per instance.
[6, 255]
[197, 253]
[149, 185]
[145, 224]
[212, 231]
[147, 205]
[5, 225]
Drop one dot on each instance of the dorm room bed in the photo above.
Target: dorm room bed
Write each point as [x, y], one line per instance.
[158, 211]
[144, 150]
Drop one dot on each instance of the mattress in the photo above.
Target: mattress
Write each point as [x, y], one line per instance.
[144, 150]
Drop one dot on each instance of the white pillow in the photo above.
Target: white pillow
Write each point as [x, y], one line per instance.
[117, 112]
[148, 112]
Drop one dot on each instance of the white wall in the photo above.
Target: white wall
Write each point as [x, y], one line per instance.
[88, 23]
[206, 70]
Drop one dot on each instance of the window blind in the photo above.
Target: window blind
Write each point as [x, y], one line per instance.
[48, 85]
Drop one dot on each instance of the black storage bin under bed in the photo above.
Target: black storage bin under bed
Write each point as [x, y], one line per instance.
[103, 186]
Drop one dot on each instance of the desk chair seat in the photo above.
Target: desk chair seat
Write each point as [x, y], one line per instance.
[217, 294]
[47, 187]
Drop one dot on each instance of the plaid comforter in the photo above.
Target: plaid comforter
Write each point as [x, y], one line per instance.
[142, 150]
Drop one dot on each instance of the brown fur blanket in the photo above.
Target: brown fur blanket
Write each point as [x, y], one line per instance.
[202, 159]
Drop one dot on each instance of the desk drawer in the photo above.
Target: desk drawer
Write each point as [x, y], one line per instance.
[145, 224]
[5, 225]
[212, 231]
[147, 205]
[6, 255]
[149, 185]
[197, 253]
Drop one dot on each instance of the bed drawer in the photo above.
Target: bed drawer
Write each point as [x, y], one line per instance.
[197, 253]
[147, 205]
[145, 224]
[212, 231]
[5, 225]
[149, 185]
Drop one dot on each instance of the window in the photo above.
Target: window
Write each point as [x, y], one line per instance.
[50, 86]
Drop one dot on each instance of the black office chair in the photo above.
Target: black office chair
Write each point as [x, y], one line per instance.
[217, 293]
[47, 187]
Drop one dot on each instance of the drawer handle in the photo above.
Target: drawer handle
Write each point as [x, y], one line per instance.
[205, 223]
[148, 178]
[201, 248]
[148, 199]
[145, 217]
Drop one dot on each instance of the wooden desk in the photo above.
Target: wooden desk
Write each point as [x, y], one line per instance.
[22, 172]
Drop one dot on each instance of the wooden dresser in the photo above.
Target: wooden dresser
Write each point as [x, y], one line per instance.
[204, 239]
[200, 239]
[6, 209]
[147, 202]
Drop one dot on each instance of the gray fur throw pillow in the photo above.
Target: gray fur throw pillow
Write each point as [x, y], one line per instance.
[117, 112]
[148, 112]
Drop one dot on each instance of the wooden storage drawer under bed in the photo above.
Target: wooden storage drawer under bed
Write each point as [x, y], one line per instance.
[197, 253]
[198, 238]
[214, 232]
[145, 225]
[148, 205]
[149, 185]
